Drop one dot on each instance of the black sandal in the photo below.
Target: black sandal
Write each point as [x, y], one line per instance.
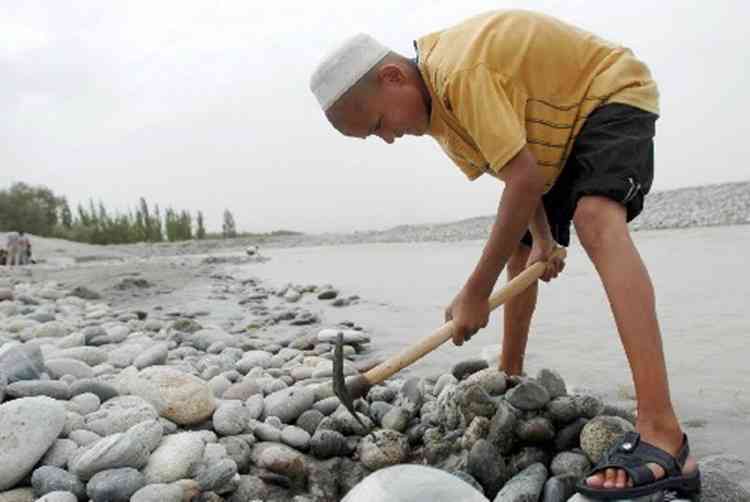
[631, 455]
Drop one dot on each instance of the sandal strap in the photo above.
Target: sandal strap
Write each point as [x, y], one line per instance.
[631, 454]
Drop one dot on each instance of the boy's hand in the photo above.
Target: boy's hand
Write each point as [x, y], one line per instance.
[542, 250]
[470, 313]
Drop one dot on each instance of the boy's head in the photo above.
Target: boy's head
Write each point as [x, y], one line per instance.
[364, 88]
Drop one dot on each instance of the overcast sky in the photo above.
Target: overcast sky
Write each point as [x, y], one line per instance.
[205, 105]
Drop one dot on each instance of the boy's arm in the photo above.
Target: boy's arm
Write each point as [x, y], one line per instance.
[524, 185]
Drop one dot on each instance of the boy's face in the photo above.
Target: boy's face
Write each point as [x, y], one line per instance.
[389, 108]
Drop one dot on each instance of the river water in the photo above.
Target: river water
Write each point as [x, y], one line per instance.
[702, 284]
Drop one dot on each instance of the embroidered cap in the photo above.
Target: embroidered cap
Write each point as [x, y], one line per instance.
[344, 66]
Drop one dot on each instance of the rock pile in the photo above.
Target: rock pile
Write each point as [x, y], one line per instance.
[113, 405]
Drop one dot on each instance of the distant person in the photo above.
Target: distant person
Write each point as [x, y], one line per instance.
[565, 119]
[24, 248]
[14, 249]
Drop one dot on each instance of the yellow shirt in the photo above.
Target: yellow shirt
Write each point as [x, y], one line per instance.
[506, 79]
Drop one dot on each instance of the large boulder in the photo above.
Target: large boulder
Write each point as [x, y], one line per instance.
[28, 428]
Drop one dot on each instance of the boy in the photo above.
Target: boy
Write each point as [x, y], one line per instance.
[566, 121]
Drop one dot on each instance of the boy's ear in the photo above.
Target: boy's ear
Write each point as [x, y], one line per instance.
[391, 73]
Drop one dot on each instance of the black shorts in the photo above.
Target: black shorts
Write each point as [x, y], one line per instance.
[612, 156]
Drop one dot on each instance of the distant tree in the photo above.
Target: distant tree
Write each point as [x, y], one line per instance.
[185, 226]
[156, 229]
[66, 216]
[228, 228]
[28, 208]
[200, 232]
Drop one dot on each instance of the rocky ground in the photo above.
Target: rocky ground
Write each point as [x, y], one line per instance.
[170, 380]
[151, 373]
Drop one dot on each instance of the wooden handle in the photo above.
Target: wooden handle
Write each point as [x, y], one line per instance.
[427, 344]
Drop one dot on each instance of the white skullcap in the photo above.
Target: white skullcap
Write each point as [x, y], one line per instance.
[343, 67]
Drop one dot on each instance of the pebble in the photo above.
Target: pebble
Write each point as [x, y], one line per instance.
[174, 456]
[158, 492]
[48, 479]
[116, 485]
[231, 418]
[177, 396]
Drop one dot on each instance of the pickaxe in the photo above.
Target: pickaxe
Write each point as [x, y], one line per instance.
[357, 386]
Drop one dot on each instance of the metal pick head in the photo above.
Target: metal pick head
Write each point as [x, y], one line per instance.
[339, 384]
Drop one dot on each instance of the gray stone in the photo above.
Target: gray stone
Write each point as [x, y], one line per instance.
[33, 388]
[569, 462]
[601, 433]
[567, 438]
[60, 367]
[525, 486]
[289, 404]
[281, 459]
[115, 485]
[588, 406]
[242, 390]
[502, 429]
[563, 410]
[309, 421]
[86, 403]
[396, 419]
[104, 390]
[120, 414]
[48, 479]
[528, 395]
[559, 488]
[381, 393]
[153, 356]
[250, 488]
[267, 432]
[474, 401]
[328, 405]
[413, 483]
[253, 359]
[378, 409]
[383, 448]
[716, 486]
[238, 450]
[28, 428]
[84, 437]
[553, 382]
[535, 430]
[174, 456]
[159, 492]
[295, 437]
[126, 449]
[326, 444]
[487, 466]
[526, 456]
[60, 453]
[56, 497]
[85, 293]
[230, 418]
[89, 355]
[492, 380]
[214, 476]
[177, 396]
[17, 495]
[350, 336]
[21, 362]
[465, 368]
[255, 406]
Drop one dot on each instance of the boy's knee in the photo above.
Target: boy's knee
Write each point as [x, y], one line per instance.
[599, 221]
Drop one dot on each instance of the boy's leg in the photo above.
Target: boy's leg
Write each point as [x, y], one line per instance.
[517, 316]
[602, 228]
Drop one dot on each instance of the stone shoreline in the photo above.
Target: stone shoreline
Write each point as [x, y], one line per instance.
[104, 401]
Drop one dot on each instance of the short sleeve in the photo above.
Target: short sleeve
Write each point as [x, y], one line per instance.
[482, 105]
